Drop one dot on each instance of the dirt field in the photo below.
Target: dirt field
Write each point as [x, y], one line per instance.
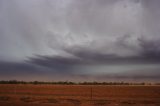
[78, 95]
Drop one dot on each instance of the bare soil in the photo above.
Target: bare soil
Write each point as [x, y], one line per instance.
[78, 95]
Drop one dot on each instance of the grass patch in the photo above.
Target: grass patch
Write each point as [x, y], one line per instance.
[4, 98]
[100, 102]
[26, 99]
[74, 101]
[128, 102]
[51, 100]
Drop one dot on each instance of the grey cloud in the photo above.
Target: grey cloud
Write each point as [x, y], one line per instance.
[31, 27]
[30, 71]
[58, 63]
[60, 68]
[62, 36]
[146, 50]
[150, 48]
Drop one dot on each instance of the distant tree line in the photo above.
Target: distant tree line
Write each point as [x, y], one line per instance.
[36, 82]
[74, 83]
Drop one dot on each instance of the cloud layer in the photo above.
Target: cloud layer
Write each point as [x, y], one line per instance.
[80, 38]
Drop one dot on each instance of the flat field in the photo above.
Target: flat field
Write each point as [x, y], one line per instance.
[78, 95]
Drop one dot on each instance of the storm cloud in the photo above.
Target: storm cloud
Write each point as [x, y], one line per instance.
[91, 39]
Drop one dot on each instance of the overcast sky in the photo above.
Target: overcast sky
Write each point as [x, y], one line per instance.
[80, 40]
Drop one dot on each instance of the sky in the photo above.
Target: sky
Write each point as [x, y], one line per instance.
[80, 40]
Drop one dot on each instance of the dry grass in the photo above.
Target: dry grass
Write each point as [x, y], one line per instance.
[78, 95]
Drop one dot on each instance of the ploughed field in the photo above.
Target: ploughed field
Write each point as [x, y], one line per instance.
[79, 95]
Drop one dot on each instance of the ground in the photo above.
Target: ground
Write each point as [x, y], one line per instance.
[79, 95]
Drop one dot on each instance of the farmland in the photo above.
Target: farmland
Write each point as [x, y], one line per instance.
[79, 95]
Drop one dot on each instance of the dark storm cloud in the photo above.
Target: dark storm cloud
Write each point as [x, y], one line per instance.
[14, 70]
[107, 27]
[149, 52]
[72, 37]
[98, 68]
[150, 48]
[30, 71]
[58, 63]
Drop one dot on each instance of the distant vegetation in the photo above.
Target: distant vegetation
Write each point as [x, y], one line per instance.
[74, 83]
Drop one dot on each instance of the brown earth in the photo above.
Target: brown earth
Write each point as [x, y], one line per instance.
[79, 95]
